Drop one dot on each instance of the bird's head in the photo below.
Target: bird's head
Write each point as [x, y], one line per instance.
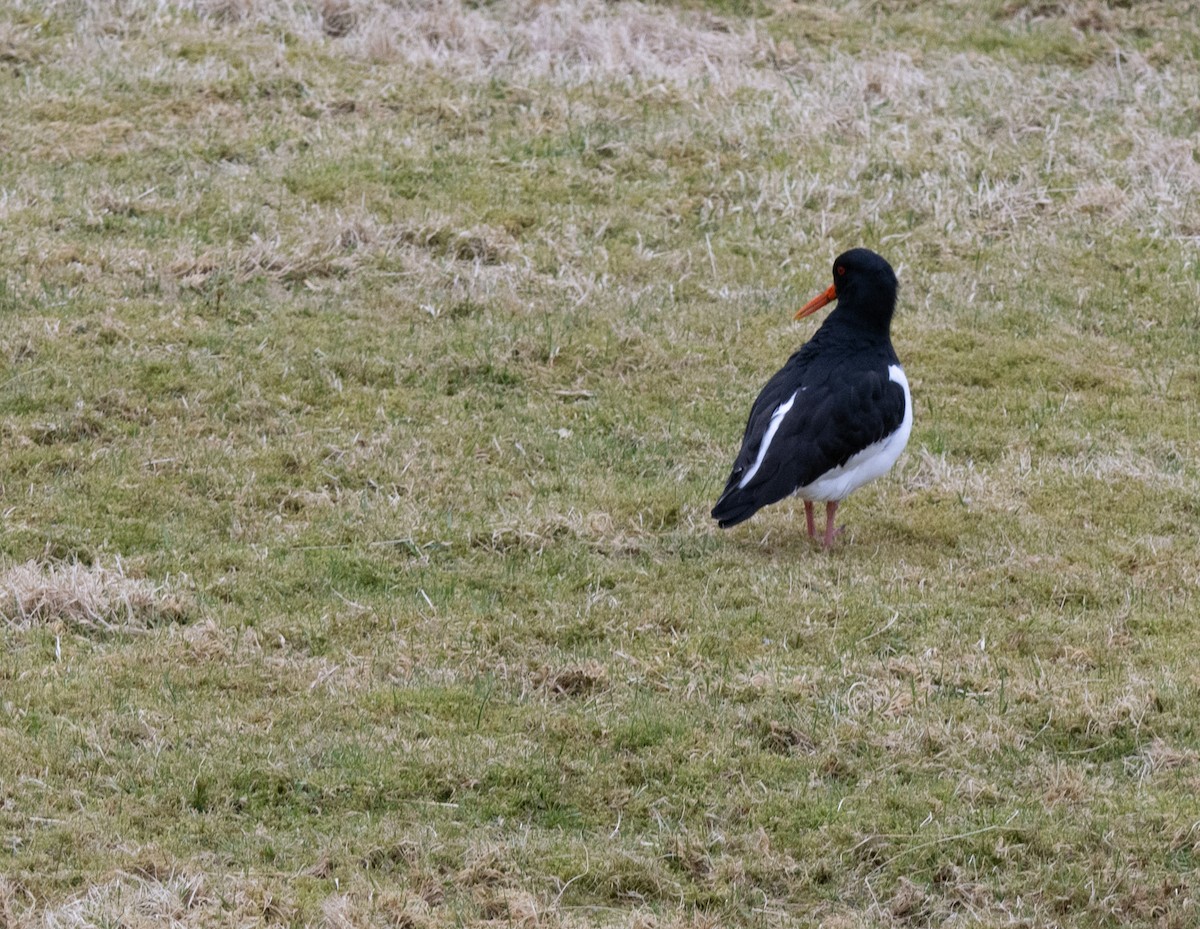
[862, 280]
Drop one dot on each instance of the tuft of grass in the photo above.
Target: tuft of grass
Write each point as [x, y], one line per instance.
[85, 598]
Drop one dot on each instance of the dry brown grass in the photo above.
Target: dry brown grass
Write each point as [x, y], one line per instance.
[76, 596]
[573, 42]
[134, 901]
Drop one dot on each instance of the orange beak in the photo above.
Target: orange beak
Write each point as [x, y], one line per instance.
[817, 302]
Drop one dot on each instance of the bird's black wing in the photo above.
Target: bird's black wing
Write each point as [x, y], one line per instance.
[832, 415]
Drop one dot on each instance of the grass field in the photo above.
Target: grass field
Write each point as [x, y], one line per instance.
[367, 372]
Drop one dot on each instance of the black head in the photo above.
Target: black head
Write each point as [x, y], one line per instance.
[861, 276]
[864, 285]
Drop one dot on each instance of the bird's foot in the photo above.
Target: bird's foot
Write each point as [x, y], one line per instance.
[830, 537]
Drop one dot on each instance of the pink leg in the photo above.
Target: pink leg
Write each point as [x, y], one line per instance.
[812, 530]
[830, 532]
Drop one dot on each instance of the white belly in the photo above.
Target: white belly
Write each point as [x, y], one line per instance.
[873, 461]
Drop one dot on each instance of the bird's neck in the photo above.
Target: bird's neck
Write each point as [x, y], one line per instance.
[857, 322]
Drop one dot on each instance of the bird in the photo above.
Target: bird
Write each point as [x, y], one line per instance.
[839, 412]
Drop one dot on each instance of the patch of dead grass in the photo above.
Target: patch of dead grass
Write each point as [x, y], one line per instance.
[135, 902]
[575, 41]
[1159, 755]
[87, 598]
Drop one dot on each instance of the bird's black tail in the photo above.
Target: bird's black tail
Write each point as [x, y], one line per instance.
[733, 508]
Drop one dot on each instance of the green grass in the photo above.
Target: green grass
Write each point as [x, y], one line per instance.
[400, 355]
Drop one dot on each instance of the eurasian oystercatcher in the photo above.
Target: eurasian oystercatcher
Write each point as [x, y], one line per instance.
[838, 414]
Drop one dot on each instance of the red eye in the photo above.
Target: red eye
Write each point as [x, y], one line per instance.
[841, 270]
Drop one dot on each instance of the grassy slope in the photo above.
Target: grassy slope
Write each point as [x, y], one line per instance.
[415, 368]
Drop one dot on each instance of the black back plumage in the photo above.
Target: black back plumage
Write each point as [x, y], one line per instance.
[842, 397]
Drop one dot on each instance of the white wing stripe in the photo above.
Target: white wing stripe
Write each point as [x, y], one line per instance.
[776, 418]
